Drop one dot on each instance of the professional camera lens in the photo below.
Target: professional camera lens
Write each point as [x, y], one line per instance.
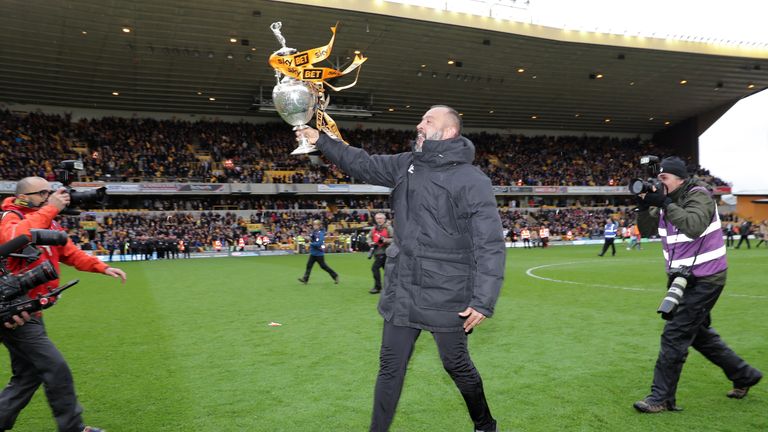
[46, 237]
[637, 186]
[88, 196]
[12, 286]
[36, 276]
[674, 296]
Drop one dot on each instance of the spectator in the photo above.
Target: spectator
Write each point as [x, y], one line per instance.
[121, 149]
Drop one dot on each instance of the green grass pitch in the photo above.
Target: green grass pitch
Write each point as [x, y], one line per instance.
[185, 346]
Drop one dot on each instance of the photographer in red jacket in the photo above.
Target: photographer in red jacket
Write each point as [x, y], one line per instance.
[35, 359]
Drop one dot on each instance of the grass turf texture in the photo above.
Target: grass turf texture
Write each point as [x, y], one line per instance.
[186, 346]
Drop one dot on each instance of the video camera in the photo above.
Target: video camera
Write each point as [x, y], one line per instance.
[14, 288]
[65, 175]
[638, 186]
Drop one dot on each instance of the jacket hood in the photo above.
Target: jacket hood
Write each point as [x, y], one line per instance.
[689, 184]
[436, 153]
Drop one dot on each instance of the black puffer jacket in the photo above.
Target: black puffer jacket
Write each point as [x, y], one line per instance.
[449, 249]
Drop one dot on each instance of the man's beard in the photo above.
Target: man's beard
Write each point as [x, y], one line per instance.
[421, 137]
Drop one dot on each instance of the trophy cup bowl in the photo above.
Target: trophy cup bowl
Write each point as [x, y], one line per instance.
[296, 101]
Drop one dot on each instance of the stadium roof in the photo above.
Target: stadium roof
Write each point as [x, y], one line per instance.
[210, 57]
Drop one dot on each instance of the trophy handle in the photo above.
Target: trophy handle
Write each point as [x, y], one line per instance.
[304, 146]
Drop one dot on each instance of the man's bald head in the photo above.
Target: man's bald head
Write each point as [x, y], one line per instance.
[30, 185]
[452, 117]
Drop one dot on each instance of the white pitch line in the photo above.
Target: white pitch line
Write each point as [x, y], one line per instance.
[530, 271]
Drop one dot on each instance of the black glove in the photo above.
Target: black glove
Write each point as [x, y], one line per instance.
[641, 204]
[657, 199]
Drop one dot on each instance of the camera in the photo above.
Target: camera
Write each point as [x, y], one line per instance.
[40, 237]
[13, 288]
[638, 186]
[679, 278]
[65, 175]
[379, 243]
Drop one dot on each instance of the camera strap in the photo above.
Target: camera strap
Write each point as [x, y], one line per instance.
[16, 212]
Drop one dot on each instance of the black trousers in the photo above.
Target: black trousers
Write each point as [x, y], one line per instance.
[608, 242]
[396, 348]
[378, 265]
[690, 326]
[34, 361]
[320, 260]
[743, 237]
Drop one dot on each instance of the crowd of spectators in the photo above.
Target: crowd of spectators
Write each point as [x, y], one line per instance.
[120, 149]
[199, 230]
[142, 149]
[247, 202]
[586, 222]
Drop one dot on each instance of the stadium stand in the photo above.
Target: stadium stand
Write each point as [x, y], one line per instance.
[149, 150]
[118, 149]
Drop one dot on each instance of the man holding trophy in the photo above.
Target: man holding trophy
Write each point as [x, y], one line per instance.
[445, 266]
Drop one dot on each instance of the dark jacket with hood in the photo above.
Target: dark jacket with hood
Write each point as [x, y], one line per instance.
[690, 210]
[448, 251]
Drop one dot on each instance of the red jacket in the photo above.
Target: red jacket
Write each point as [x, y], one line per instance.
[12, 226]
[377, 233]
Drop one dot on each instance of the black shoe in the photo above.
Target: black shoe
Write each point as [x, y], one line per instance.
[375, 290]
[493, 428]
[740, 392]
[650, 407]
[303, 280]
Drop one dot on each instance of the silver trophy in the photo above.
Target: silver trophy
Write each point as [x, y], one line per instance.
[295, 100]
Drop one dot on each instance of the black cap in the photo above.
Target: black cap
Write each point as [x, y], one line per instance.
[674, 165]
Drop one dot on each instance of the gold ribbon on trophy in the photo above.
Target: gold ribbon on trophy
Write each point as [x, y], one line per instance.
[300, 66]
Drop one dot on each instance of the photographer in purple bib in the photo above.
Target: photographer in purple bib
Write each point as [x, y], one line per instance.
[685, 213]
